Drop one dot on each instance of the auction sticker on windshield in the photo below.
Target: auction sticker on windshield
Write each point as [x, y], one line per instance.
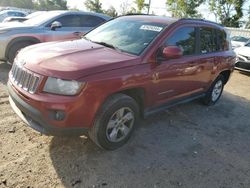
[151, 28]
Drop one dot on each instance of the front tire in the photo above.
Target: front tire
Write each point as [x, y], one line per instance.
[215, 91]
[115, 122]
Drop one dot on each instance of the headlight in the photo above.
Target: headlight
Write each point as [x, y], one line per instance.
[62, 87]
[4, 31]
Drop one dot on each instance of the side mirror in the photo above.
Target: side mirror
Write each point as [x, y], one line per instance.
[172, 52]
[55, 25]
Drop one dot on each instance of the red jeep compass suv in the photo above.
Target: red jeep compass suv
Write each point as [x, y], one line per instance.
[127, 67]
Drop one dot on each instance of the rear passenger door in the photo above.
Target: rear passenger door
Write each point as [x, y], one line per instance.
[207, 53]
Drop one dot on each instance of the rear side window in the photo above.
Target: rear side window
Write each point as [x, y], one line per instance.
[91, 21]
[184, 38]
[208, 40]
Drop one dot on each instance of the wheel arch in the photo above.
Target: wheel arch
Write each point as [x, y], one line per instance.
[138, 94]
[20, 39]
[226, 74]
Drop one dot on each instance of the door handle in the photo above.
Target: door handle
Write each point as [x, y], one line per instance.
[191, 64]
[77, 33]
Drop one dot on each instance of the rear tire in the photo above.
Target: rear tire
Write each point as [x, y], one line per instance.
[215, 91]
[15, 48]
[115, 122]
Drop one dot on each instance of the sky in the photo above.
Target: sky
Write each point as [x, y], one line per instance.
[157, 6]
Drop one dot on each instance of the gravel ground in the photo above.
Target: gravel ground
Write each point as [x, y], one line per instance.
[189, 145]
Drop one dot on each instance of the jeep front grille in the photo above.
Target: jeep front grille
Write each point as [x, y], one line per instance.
[24, 78]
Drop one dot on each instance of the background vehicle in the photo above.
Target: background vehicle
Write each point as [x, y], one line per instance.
[243, 58]
[127, 67]
[22, 19]
[7, 13]
[238, 41]
[52, 26]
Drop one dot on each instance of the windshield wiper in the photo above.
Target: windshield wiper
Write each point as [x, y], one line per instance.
[103, 44]
[107, 45]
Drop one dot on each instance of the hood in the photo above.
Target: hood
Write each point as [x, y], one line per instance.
[73, 59]
[13, 25]
[237, 43]
[245, 51]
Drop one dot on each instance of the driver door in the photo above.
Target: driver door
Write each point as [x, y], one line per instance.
[177, 78]
[71, 29]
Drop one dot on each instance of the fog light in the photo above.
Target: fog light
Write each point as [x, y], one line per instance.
[57, 115]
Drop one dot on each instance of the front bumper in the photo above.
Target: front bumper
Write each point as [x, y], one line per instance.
[34, 118]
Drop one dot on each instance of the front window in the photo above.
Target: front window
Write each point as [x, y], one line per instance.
[184, 38]
[41, 19]
[131, 36]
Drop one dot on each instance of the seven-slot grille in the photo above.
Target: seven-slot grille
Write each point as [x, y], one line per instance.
[24, 79]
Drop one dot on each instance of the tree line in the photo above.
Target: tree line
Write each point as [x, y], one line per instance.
[226, 12]
[36, 5]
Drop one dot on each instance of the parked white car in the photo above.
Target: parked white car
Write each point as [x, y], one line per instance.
[22, 19]
[10, 13]
[243, 57]
[238, 41]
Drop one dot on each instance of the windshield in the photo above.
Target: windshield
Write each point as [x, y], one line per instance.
[41, 19]
[131, 36]
[239, 39]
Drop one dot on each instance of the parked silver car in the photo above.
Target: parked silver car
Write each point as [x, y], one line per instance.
[52, 26]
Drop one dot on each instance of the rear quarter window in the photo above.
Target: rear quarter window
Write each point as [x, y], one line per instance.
[208, 40]
[223, 43]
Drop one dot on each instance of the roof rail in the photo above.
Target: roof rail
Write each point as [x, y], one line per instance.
[199, 19]
[138, 14]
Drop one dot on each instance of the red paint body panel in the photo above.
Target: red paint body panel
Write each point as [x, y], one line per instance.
[106, 71]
